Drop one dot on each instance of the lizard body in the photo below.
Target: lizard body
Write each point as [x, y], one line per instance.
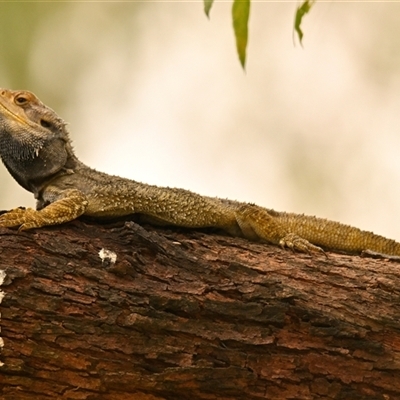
[36, 149]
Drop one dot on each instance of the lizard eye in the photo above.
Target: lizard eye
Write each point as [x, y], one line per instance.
[45, 124]
[20, 100]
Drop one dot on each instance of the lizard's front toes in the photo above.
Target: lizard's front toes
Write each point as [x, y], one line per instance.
[15, 217]
[295, 242]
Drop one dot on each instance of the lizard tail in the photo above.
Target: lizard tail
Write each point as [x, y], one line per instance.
[338, 236]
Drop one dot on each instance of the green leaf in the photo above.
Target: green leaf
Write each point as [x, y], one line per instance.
[240, 16]
[207, 7]
[300, 13]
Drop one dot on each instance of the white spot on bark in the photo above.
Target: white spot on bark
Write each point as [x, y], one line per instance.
[2, 276]
[107, 256]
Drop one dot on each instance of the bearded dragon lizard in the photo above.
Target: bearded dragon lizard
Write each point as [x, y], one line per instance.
[36, 149]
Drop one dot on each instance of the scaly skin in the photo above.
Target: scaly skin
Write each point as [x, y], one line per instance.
[36, 149]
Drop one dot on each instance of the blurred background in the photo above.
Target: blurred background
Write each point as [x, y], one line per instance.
[153, 91]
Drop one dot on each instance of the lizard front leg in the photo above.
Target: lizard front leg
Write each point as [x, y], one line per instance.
[70, 206]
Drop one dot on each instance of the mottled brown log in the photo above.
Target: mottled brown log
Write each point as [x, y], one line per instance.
[192, 315]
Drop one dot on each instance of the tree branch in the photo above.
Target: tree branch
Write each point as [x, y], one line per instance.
[192, 315]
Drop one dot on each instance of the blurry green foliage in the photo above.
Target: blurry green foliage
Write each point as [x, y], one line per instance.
[18, 25]
[47, 47]
[207, 6]
[240, 17]
[301, 11]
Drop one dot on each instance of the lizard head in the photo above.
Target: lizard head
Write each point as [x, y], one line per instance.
[34, 141]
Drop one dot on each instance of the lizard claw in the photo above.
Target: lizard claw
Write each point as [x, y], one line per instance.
[295, 242]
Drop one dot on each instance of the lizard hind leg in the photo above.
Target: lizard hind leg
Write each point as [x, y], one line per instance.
[257, 223]
[245, 230]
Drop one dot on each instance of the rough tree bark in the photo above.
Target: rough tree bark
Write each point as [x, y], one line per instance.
[191, 315]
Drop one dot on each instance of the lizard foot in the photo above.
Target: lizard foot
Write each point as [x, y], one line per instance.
[24, 218]
[295, 242]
